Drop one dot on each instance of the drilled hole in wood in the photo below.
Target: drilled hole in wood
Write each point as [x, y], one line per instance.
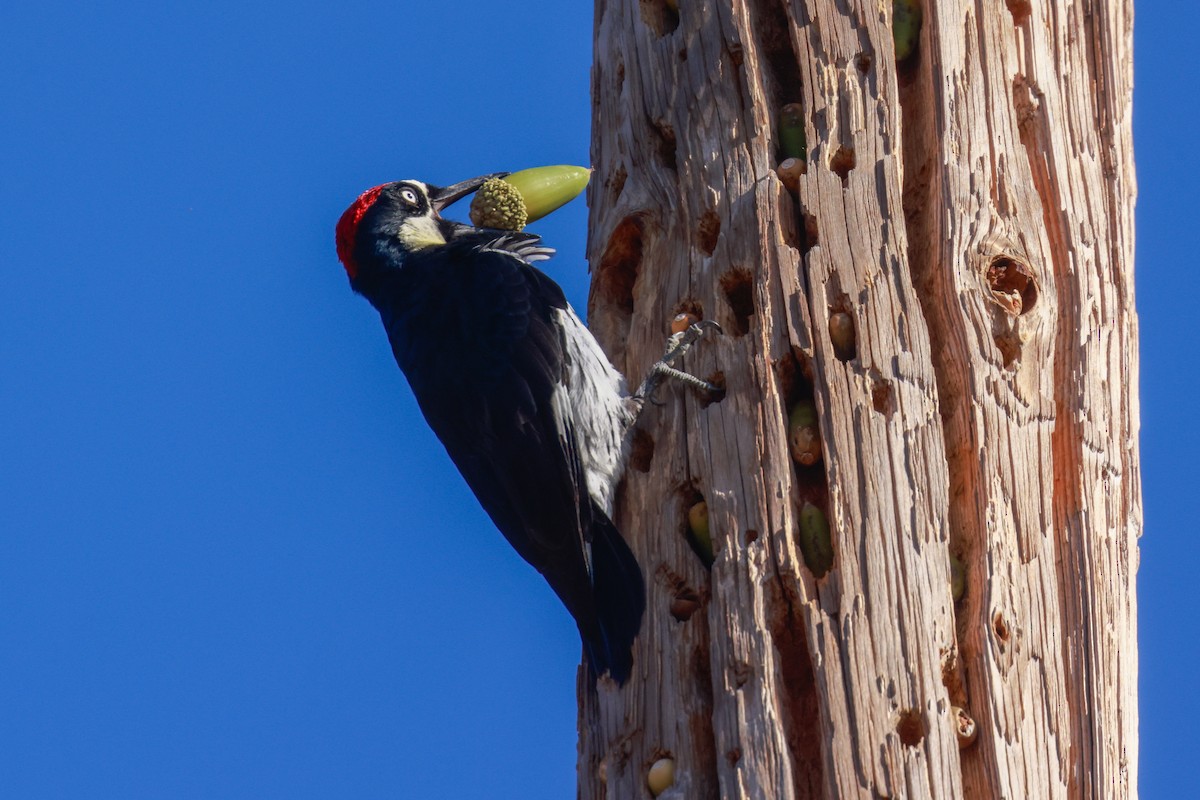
[1000, 627]
[948, 657]
[689, 305]
[665, 136]
[707, 231]
[910, 727]
[742, 672]
[641, 451]
[619, 266]
[811, 236]
[842, 162]
[1020, 10]
[883, 397]
[738, 286]
[1012, 283]
[751, 536]
[773, 31]
[862, 62]
[659, 16]
[800, 698]
[1009, 345]
[717, 379]
[734, 756]
[793, 236]
[684, 604]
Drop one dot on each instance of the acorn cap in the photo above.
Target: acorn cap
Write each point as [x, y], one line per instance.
[522, 197]
[498, 204]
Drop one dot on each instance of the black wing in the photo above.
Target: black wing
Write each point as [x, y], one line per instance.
[477, 337]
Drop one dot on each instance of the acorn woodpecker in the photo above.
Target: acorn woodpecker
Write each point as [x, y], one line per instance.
[516, 388]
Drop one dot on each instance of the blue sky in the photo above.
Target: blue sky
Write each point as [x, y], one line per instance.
[233, 561]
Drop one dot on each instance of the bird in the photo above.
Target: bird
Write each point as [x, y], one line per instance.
[518, 391]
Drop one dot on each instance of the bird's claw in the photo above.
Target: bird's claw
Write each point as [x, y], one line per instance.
[680, 343]
[677, 345]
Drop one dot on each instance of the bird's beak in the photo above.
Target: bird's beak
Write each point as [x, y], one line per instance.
[442, 197]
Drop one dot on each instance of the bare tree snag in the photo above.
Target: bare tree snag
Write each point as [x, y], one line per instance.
[966, 214]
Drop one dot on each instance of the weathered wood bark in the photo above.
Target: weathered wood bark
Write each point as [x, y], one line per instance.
[972, 210]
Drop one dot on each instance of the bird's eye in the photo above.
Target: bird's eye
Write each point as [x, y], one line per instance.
[409, 196]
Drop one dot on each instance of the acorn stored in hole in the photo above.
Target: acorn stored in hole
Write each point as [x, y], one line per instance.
[792, 143]
[804, 437]
[789, 172]
[842, 336]
[815, 544]
[661, 776]
[684, 605]
[512, 202]
[958, 578]
[906, 27]
[965, 729]
[699, 533]
[683, 321]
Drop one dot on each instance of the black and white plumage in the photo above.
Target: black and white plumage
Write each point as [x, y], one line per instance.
[516, 388]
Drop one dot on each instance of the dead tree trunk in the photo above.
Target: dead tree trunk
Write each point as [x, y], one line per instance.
[970, 207]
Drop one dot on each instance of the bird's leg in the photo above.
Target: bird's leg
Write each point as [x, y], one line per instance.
[677, 345]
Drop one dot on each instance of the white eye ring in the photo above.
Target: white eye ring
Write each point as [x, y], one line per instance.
[409, 196]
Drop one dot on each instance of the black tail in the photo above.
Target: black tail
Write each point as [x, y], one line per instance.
[620, 600]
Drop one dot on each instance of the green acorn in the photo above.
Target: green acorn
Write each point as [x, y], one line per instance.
[791, 132]
[958, 578]
[700, 536]
[815, 544]
[512, 202]
[906, 27]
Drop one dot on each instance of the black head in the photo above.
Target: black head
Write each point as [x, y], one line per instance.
[404, 215]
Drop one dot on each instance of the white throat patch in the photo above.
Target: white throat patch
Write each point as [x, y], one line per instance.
[417, 233]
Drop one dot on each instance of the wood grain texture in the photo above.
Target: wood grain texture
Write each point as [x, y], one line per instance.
[971, 210]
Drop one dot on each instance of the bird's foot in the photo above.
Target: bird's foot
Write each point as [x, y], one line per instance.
[677, 345]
